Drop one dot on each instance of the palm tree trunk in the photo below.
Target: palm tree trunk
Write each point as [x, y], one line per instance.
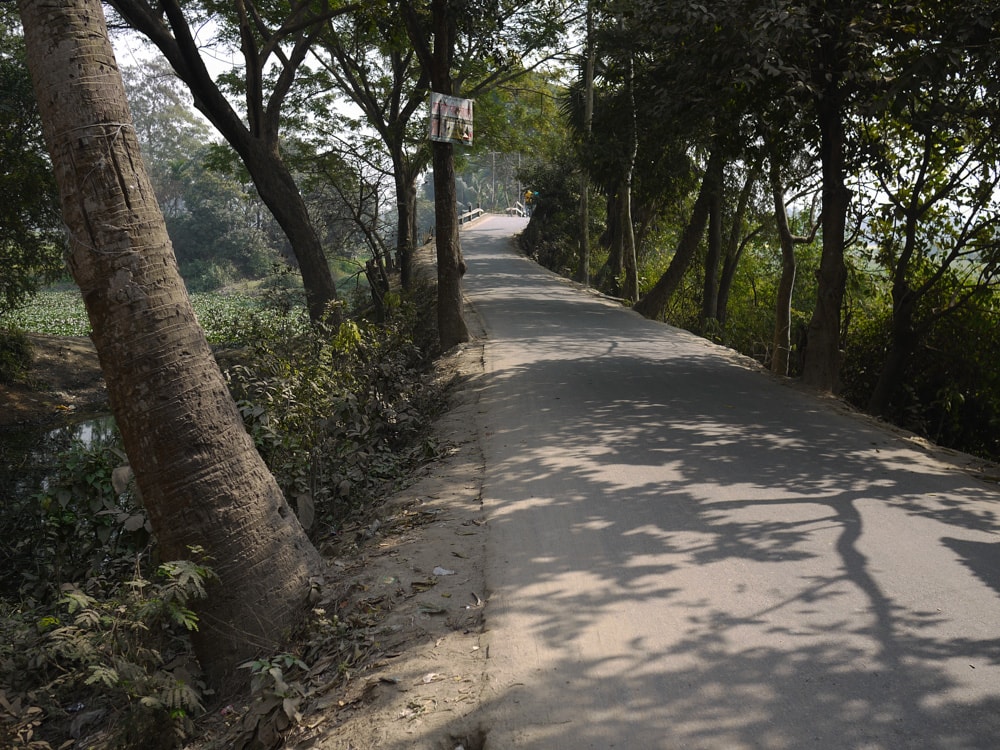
[202, 481]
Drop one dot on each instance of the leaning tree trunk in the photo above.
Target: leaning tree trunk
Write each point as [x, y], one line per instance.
[276, 187]
[735, 247]
[655, 301]
[202, 481]
[257, 145]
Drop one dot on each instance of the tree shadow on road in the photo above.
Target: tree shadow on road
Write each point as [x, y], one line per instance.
[827, 633]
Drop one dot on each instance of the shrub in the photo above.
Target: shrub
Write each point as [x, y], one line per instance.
[120, 661]
[15, 355]
[336, 415]
[86, 523]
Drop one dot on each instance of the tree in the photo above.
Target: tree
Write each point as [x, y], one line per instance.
[782, 343]
[466, 48]
[367, 56]
[822, 57]
[932, 145]
[216, 221]
[272, 55]
[691, 81]
[31, 238]
[202, 481]
[589, 61]
[655, 300]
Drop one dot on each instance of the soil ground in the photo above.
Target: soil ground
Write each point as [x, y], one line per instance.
[409, 583]
[64, 381]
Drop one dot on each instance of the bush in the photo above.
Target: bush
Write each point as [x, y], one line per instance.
[93, 631]
[336, 415]
[113, 670]
[84, 523]
[15, 355]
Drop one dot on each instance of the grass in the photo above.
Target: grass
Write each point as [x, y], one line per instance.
[60, 312]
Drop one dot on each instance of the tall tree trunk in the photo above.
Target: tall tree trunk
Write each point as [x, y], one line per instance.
[202, 481]
[406, 216]
[782, 342]
[451, 320]
[713, 256]
[276, 187]
[821, 369]
[655, 301]
[583, 262]
[450, 266]
[632, 148]
[630, 289]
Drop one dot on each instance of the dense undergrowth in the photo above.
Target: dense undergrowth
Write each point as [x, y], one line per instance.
[93, 625]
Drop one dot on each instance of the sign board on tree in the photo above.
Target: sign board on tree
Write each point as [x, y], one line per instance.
[451, 119]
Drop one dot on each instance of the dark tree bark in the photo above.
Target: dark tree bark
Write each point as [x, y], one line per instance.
[583, 262]
[713, 257]
[902, 343]
[202, 481]
[437, 60]
[821, 368]
[406, 221]
[629, 259]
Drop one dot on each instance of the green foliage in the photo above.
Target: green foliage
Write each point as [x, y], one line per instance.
[274, 688]
[335, 414]
[118, 659]
[226, 318]
[217, 224]
[92, 629]
[85, 524]
[15, 355]
[950, 390]
[550, 236]
[54, 312]
[31, 239]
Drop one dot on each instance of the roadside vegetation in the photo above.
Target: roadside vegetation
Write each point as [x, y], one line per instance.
[94, 624]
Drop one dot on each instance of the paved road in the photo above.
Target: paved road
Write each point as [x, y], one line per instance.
[686, 553]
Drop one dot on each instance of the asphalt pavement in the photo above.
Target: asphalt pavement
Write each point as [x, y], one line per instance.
[687, 552]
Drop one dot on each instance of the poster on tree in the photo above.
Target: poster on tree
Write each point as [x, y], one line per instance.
[451, 119]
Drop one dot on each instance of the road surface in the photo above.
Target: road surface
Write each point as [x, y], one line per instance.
[687, 553]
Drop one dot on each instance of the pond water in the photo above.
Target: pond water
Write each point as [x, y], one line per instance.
[29, 461]
[30, 455]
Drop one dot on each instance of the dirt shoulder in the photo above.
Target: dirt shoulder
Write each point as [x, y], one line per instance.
[64, 381]
[423, 579]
